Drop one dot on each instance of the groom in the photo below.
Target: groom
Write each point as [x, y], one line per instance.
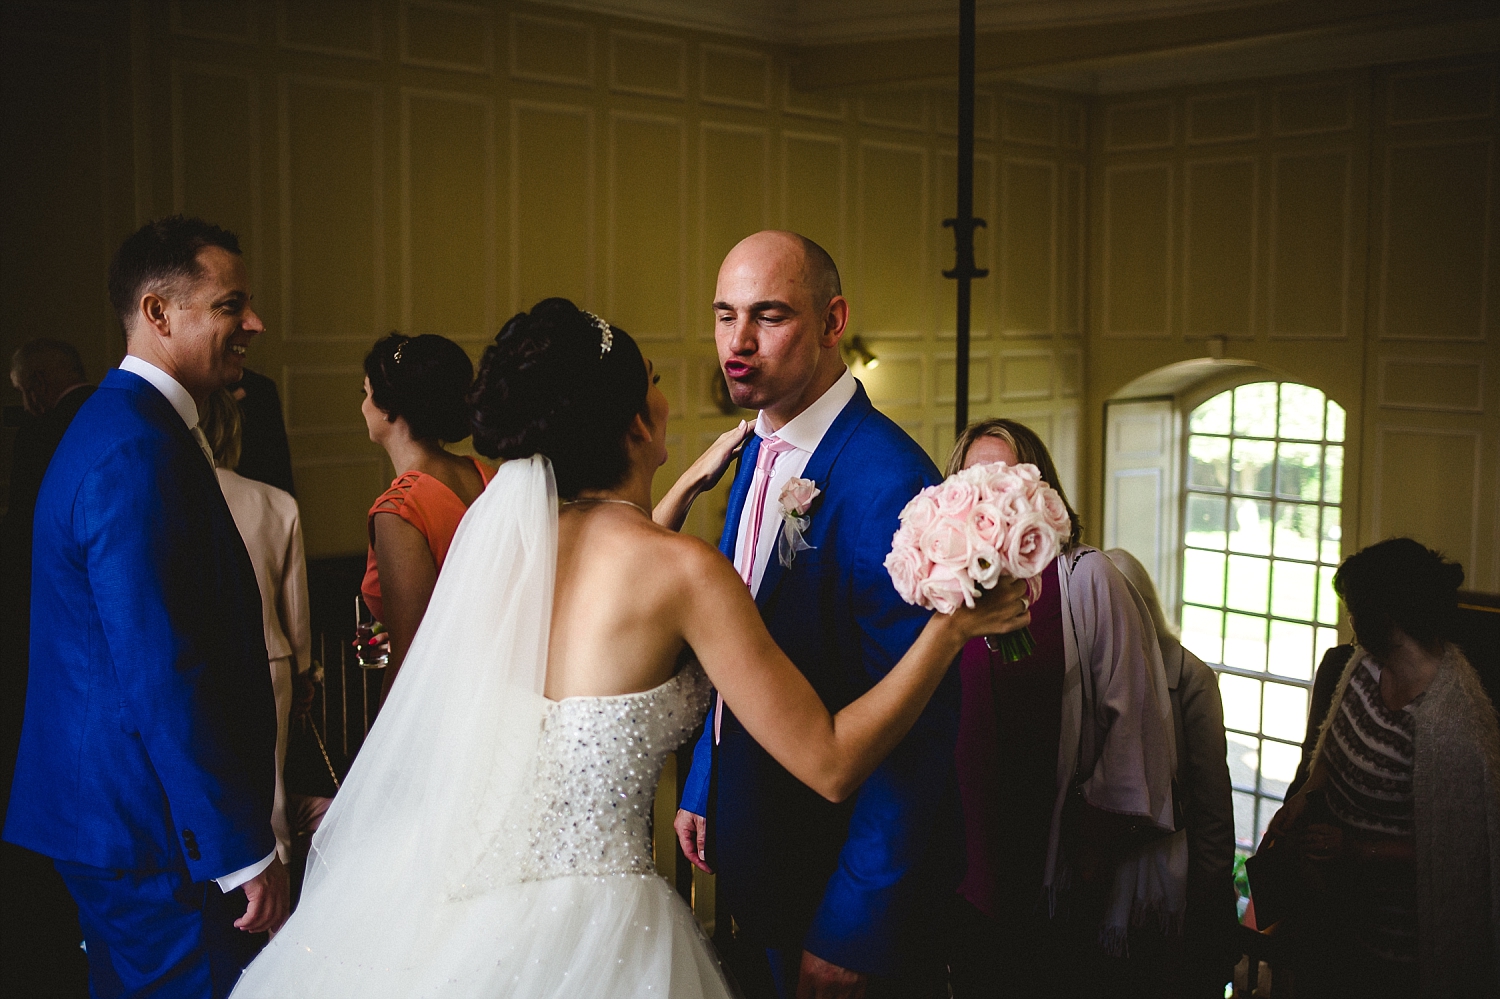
[828, 900]
[147, 758]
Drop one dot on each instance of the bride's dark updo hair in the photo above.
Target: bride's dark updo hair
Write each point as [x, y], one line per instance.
[544, 387]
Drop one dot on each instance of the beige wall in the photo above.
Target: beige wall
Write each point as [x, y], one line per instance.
[1337, 230]
[435, 167]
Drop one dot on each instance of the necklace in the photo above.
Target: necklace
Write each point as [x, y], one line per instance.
[606, 499]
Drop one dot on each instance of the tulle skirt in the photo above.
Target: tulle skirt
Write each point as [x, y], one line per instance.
[619, 936]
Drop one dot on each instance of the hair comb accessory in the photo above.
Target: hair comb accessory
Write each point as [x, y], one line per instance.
[606, 335]
[400, 347]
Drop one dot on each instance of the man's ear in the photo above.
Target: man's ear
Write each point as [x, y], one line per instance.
[152, 311]
[835, 320]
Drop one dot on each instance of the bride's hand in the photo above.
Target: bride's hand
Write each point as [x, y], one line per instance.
[995, 612]
[711, 464]
[701, 476]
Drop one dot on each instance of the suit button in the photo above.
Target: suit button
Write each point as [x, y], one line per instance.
[193, 854]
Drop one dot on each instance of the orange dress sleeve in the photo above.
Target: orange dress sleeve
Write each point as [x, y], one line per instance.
[426, 504]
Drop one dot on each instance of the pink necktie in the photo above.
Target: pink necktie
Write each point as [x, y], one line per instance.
[771, 448]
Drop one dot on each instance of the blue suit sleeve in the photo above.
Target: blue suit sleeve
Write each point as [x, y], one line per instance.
[144, 541]
[904, 804]
[695, 790]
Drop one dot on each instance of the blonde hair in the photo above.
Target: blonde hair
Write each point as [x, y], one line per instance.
[1029, 450]
[220, 422]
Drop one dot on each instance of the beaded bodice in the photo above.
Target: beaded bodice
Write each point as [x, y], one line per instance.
[597, 769]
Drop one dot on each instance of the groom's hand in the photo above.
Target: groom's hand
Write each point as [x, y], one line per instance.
[818, 979]
[270, 899]
[692, 835]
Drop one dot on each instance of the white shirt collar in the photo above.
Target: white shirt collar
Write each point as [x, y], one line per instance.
[805, 430]
[166, 385]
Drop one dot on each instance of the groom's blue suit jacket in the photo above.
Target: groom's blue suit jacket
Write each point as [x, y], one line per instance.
[852, 883]
[150, 730]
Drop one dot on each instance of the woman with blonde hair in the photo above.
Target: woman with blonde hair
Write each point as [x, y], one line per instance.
[1065, 762]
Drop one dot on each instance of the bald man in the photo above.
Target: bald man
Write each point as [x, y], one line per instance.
[829, 900]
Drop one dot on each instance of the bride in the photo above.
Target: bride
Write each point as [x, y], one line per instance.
[492, 838]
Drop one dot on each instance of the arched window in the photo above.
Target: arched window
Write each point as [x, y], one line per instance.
[1261, 529]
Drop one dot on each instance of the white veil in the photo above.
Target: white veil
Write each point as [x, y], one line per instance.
[429, 814]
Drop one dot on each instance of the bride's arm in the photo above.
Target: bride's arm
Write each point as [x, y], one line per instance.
[700, 477]
[780, 709]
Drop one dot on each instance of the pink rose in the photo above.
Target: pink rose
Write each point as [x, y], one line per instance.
[921, 511]
[907, 567]
[999, 478]
[1055, 510]
[955, 497]
[944, 590]
[986, 524]
[1027, 473]
[797, 495]
[1030, 546]
[946, 543]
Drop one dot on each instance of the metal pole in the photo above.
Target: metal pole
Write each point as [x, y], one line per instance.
[964, 224]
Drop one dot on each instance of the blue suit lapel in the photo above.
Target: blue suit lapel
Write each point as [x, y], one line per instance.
[818, 466]
[738, 490]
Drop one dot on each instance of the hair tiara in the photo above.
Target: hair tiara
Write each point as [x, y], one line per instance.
[606, 335]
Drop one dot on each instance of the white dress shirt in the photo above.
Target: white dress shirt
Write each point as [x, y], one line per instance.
[804, 432]
[186, 408]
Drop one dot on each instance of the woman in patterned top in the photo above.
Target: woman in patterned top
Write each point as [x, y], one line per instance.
[1401, 813]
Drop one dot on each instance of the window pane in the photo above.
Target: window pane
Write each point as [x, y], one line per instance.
[1327, 639]
[1333, 475]
[1241, 697]
[1255, 410]
[1252, 467]
[1333, 534]
[1244, 759]
[1301, 412]
[1205, 521]
[1278, 765]
[1245, 641]
[1203, 576]
[1292, 590]
[1202, 632]
[1268, 808]
[1297, 468]
[1208, 462]
[1212, 417]
[1249, 583]
[1250, 526]
[1335, 430]
[1244, 820]
[1291, 649]
[1285, 715]
[1296, 533]
[1328, 601]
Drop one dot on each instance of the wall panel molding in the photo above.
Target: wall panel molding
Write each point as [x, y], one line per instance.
[1310, 109]
[650, 65]
[1027, 374]
[552, 230]
[1411, 454]
[1140, 125]
[230, 173]
[734, 77]
[344, 228]
[640, 293]
[320, 399]
[1228, 117]
[1433, 384]
[464, 25]
[1448, 93]
[1212, 308]
[1021, 266]
[891, 226]
[334, 18]
[194, 19]
[1146, 244]
[1310, 265]
[540, 50]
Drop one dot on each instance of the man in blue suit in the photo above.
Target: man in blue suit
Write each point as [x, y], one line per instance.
[147, 760]
[829, 900]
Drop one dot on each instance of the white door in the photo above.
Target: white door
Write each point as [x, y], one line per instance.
[1140, 487]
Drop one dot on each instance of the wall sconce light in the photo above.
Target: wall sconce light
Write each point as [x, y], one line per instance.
[862, 353]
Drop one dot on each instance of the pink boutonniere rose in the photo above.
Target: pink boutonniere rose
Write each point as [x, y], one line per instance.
[796, 500]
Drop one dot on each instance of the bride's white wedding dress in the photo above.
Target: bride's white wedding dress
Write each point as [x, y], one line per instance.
[489, 842]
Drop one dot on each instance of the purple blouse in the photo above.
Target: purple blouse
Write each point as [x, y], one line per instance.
[1007, 761]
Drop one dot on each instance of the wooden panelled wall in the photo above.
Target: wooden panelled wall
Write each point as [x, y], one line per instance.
[1340, 231]
[434, 166]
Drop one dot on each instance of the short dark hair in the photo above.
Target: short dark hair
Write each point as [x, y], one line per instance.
[1399, 583]
[424, 380]
[822, 272]
[546, 387]
[159, 254]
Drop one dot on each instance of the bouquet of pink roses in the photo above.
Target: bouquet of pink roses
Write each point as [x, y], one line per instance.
[963, 534]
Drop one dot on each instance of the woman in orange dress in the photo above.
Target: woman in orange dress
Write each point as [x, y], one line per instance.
[414, 404]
